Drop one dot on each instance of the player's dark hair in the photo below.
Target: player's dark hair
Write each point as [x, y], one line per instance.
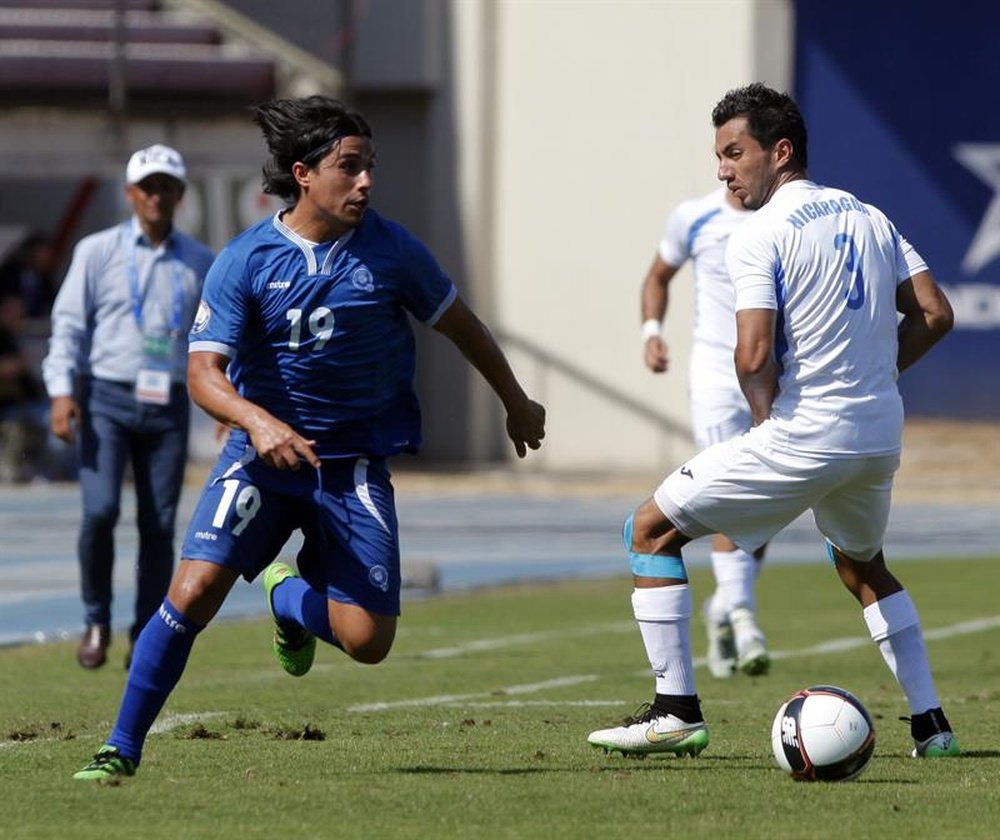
[302, 130]
[770, 116]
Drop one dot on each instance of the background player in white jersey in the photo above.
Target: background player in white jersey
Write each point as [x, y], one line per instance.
[819, 278]
[699, 230]
[303, 346]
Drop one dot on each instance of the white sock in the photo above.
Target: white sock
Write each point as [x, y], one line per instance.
[735, 575]
[895, 627]
[664, 617]
[717, 609]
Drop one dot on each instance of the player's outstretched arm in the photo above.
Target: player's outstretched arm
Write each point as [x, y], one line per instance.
[927, 317]
[525, 417]
[277, 443]
[654, 300]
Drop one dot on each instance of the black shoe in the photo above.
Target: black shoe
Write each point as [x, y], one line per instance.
[93, 649]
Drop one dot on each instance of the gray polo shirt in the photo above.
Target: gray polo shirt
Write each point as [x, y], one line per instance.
[118, 289]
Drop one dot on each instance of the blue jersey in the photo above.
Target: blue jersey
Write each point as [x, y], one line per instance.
[318, 335]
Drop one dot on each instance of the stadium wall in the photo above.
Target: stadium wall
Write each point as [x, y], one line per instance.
[580, 126]
[536, 146]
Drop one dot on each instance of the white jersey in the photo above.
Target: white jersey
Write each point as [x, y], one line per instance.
[829, 265]
[699, 230]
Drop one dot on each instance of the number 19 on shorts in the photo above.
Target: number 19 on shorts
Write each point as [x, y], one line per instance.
[244, 502]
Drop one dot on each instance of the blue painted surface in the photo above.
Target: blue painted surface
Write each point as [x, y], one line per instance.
[924, 146]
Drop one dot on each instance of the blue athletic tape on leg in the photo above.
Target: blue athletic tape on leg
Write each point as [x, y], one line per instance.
[651, 565]
[296, 600]
[158, 660]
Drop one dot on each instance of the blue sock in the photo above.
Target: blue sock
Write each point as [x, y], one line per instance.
[295, 600]
[158, 660]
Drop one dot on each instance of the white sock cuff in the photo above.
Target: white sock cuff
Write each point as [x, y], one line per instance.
[733, 565]
[891, 615]
[662, 603]
[735, 554]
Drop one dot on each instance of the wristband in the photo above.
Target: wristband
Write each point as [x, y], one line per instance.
[650, 328]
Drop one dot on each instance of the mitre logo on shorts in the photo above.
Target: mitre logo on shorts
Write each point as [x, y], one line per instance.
[202, 318]
[362, 278]
[378, 576]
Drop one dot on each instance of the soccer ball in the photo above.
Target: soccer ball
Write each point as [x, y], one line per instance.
[823, 734]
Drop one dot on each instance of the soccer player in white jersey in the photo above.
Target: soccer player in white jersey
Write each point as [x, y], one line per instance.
[698, 230]
[303, 347]
[819, 278]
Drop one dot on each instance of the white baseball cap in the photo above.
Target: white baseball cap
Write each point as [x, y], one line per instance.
[156, 159]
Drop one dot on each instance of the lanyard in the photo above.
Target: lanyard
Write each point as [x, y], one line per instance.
[139, 297]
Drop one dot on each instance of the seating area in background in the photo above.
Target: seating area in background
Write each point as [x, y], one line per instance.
[66, 53]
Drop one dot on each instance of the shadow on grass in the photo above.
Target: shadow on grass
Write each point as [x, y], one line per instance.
[453, 771]
[631, 767]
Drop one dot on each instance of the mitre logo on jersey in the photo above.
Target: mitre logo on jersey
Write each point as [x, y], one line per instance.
[362, 278]
[202, 318]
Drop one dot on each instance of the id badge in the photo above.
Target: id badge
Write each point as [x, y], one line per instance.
[152, 385]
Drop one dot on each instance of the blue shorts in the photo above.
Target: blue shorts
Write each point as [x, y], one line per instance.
[346, 511]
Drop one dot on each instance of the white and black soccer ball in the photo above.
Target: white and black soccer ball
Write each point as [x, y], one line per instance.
[823, 734]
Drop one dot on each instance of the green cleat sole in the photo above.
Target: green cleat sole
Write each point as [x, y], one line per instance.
[692, 746]
[107, 764]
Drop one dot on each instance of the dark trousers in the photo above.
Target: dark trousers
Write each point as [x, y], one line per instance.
[116, 429]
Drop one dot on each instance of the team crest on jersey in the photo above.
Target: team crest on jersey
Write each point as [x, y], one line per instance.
[378, 576]
[202, 318]
[363, 279]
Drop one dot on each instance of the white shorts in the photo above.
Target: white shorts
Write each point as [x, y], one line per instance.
[749, 490]
[718, 414]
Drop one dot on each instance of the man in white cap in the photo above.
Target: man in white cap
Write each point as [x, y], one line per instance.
[115, 374]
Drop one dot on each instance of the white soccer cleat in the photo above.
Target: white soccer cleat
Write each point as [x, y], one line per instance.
[650, 731]
[721, 645]
[752, 657]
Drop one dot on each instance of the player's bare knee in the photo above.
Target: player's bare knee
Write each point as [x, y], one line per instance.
[199, 588]
[364, 636]
[653, 533]
[868, 580]
[369, 651]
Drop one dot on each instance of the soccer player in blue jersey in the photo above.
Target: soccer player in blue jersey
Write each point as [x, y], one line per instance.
[303, 347]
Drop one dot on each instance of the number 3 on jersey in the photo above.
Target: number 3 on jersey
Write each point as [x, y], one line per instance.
[319, 324]
[246, 507]
[856, 286]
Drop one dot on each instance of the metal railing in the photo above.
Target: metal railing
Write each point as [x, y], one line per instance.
[547, 363]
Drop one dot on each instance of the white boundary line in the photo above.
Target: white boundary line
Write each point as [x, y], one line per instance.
[168, 724]
[481, 645]
[456, 699]
[171, 722]
[478, 700]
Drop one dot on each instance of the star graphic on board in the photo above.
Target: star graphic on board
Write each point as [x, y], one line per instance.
[983, 160]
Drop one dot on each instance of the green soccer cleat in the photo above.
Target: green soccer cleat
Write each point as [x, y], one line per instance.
[941, 745]
[294, 646]
[108, 763]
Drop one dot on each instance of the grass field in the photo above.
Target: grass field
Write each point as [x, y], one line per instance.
[476, 727]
